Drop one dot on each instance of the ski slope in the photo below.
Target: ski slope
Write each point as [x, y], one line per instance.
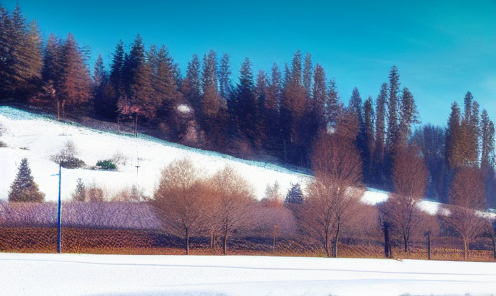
[71, 274]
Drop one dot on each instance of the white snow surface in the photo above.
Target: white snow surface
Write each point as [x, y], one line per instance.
[71, 274]
[37, 138]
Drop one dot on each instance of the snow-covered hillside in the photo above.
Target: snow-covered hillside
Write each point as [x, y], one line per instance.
[71, 274]
[37, 138]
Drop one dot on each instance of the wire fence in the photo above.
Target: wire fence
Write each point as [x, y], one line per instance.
[132, 228]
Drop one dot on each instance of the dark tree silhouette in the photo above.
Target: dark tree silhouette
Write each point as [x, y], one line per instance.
[24, 189]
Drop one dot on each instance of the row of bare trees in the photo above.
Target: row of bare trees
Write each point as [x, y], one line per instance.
[192, 205]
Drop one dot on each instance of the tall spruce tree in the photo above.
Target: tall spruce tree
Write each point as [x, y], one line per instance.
[272, 112]
[261, 93]
[487, 141]
[211, 101]
[5, 74]
[392, 122]
[246, 105]
[332, 106]
[320, 98]
[191, 86]
[293, 107]
[307, 74]
[99, 83]
[369, 139]
[24, 189]
[408, 116]
[452, 137]
[225, 86]
[380, 137]
[75, 83]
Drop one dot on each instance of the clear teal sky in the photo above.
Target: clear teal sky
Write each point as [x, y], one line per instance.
[442, 48]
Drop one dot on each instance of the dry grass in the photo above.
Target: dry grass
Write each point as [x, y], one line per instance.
[142, 242]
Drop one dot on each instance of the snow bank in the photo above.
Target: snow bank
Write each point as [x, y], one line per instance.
[70, 274]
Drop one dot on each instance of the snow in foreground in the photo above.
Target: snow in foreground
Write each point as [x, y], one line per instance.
[70, 274]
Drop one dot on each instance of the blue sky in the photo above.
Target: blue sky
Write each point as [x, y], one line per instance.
[442, 48]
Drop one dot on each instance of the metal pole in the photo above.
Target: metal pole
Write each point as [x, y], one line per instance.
[59, 230]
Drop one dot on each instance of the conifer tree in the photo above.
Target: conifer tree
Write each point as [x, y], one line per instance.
[293, 109]
[272, 111]
[80, 192]
[452, 137]
[75, 84]
[368, 121]
[408, 116]
[24, 189]
[211, 102]
[307, 75]
[5, 74]
[225, 86]
[333, 105]
[99, 82]
[487, 141]
[295, 195]
[392, 121]
[261, 93]
[380, 136]
[164, 87]
[320, 97]
[246, 105]
[191, 86]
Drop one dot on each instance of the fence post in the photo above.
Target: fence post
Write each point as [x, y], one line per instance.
[429, 245]
[59, 205]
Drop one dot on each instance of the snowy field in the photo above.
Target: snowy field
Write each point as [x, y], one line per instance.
[63, 274]
[37, 138]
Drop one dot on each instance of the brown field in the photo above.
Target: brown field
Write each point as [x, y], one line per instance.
[143, 242]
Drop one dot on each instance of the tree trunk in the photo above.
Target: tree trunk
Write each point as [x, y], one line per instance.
[136, 126]
[274, 243]
[224, 245]
[405, 240]
[465, 249]
[336, 241]
[212, 242]
[187, 242]
[63, 108]
[494, 247]
[326, 245]
[387, 247]
[429, 246]
[58, 110]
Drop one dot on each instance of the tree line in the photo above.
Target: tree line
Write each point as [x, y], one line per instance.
[277, 116]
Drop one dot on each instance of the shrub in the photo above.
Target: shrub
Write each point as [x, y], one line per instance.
[107, 165]
[119, 158]
[67, 157]
[3, 144]
[72, 163]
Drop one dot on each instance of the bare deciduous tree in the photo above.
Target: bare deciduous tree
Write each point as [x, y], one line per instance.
[466, 197]
[336, 190]
[232, 197]
[410, 180]
[181, 200]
